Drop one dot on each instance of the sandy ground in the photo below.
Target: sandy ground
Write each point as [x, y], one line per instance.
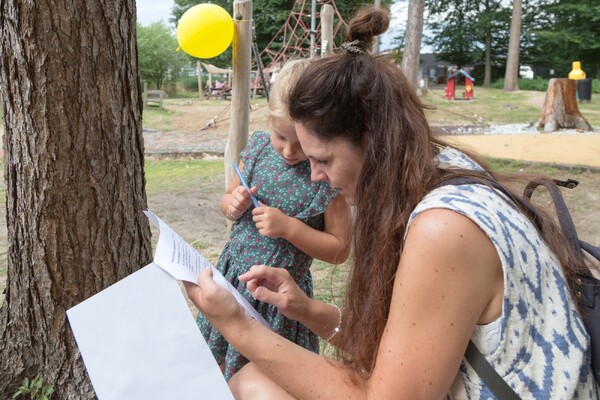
[576, 149]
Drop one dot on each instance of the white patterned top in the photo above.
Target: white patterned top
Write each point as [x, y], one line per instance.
[543, 350]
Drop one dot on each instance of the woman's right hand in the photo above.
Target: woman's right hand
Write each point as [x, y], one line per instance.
[275, 286]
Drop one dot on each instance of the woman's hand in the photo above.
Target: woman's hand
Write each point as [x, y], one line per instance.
[275, 286]
[214, 301]
[270, 221]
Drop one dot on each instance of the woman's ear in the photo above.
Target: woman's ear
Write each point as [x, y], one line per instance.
[364, 142]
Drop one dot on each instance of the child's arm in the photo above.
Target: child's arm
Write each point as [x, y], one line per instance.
[236, 199]
[332, 245]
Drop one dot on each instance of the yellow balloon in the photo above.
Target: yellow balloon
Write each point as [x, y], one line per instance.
[205, 31]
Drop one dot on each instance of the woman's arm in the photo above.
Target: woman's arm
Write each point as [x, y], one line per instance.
[449, 278]
[332, 245]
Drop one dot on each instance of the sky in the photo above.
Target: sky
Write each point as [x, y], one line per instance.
[149, 11]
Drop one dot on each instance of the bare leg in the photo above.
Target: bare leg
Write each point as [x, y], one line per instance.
[250, 383]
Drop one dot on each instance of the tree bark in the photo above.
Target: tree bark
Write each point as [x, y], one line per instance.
[511, 76]
[412, 40]
[560, 109]
[487, 77]
[74, 159]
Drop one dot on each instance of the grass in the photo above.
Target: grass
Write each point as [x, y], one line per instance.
[158, 118]
[489, 106]
[176, 175]
[493, 106]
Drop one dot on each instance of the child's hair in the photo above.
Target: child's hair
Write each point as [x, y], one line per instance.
[280, 91]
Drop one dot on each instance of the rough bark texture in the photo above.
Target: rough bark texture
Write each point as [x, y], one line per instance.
[560, 109]
[412, 40]
[74, 176]
[511, 76]
[487, 77]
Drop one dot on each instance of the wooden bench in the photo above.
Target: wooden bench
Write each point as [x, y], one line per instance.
[154, 96]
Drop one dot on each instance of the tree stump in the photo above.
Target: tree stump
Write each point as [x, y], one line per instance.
[560, 109]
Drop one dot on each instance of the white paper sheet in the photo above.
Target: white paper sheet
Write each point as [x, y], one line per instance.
[139, 341]
[183, 262]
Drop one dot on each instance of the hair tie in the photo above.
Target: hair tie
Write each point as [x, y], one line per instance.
[354, 48]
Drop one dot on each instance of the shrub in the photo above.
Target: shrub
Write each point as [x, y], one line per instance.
[34, 389]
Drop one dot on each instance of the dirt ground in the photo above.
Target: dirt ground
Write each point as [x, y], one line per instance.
[194, 213]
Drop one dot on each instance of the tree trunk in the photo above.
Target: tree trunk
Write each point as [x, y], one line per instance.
[487, 77]
[560, 107]
[511, 76]
[412, 40]
[74, 160]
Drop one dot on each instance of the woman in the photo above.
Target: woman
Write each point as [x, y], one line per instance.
[434, 265]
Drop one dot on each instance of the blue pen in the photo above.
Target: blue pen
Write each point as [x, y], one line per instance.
[243, 182]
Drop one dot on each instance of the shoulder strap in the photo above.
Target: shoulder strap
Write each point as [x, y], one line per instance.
[488, 374]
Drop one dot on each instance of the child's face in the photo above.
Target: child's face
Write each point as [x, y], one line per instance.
[285, 142]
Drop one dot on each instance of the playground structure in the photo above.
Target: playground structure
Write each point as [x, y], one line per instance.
[452, 80]
[298, 30]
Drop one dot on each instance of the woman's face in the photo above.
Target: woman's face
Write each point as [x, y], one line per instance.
[337, 162]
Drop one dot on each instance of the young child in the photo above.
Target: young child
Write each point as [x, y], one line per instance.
[297, 220]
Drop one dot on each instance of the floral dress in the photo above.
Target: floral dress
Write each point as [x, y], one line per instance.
[289, 189]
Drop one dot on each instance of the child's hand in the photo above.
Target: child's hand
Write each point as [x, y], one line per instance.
[270, 221]
[240, 201]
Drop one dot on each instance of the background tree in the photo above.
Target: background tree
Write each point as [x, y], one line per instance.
[466, 32]
[511, 77]
[566, 31]
[158, 57]
[74, 177]
[451, 23]
[412, 41]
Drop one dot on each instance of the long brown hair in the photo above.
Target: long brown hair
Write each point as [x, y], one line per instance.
[349, 95]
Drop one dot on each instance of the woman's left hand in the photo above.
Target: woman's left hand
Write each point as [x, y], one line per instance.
[214, 301]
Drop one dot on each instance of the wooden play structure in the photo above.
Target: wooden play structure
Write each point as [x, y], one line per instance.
[298, 30]
[451, 83]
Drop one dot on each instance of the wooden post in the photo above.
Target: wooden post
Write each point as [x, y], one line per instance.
[200, 88]
[377, 6]
[240, 94]
[313, 27]
[326, 30]
[560, 109]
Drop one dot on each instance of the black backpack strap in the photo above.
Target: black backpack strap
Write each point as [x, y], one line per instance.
[488, 374]
[564, 217]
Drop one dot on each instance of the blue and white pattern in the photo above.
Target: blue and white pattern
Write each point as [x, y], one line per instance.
[543, 351]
